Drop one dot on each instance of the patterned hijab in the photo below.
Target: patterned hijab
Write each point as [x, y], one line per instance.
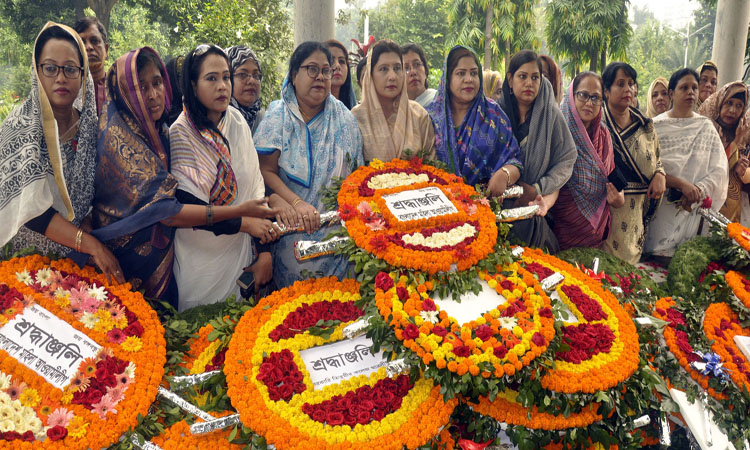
[239, 55]
[31, 149]
[588, 183]
[482, 143]
[712, 107]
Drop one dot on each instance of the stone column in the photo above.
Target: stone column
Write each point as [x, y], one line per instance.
[313, 20]
[730, 39]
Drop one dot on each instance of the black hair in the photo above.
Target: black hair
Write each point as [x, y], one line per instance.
[190, 72]
[708, 65]
[346, 87]
[145, 58]
[680, 74]
[55, 32]
[577, 80]
[454, 57]
[610, 73]
[174, 71]
[381, 47]
[84, 23]
[521, 58]
[412, 47]
[361, 68]
[301, 53]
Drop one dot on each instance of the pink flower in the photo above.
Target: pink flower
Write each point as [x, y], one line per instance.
[123, 381]
[115, 394]
[59, 417]
[90, 304]
[376, 225]
[116, 335]
[117, 312]
[15, 389]
[364, 208]
[104, 406]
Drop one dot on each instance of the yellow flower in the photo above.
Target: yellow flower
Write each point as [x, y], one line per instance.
[66, 398]
[377, 164]
[77, 427]
[132, 344]
[29, 397]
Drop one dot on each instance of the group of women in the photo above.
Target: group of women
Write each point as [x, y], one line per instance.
[175, 188]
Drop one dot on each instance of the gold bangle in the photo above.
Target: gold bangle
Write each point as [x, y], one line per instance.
[507, 172]
[79, 238]
[296, 202]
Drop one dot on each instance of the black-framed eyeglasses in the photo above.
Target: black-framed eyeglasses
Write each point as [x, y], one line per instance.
[51, 71]
[416, 66]
[244, 76]
[313, 71]
[595, 99]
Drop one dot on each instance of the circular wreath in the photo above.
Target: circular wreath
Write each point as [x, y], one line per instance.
[109, 391]
[740, 234]
[431, 245]
[271, 389]
[500, 342]
[602, 344]
[721, 324]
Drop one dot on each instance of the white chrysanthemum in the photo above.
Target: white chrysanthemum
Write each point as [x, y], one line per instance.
[392, 180]
[130, 370]
[98, 292]
[429, 316]
[508, 322]
[7, 412]
[442, 238]
[7, 425]
[4, 382]
[61, 293]
[25, 277]
[89, 320]
[44, 277]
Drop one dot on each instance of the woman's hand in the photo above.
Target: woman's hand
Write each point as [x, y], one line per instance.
[657, 186]
[498, 184]
[103, 258]
[529, 195]
[741, 166]
[543, 208]
[262, 229]
[286, 215]
[691, 192]
[308, 216]
[262, 270]
[615, 198]
[257, 208]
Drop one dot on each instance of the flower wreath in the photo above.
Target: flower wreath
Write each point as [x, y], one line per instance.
[179, 437]
[108, 392]
[204, 355]
[740, 234]
[721, 325]
[500, 342]
[603, 325]
[430, 244]
[740, 286]
[270, 387]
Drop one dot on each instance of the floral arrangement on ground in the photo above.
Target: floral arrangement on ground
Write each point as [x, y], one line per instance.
[700, 329]
[270, 386]
[109, 391]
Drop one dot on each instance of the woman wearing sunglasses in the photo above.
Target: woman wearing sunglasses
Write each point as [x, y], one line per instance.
[306, 139]
[48, 155]
[215, 164]
[582, 217]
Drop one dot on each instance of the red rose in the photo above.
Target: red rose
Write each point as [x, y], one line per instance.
[402, 293]
[286, 391]
[440, 331]
[364, 417]
[93, 395]
[383, 281]
[134, 329]
[500, 351]
[395, 404]
[28, 436]
[538, 339]
[378, 414]
[11, 435]
[428, 305]
[462, 350]
[707, 202]
[411, 331]
[367, 405]
[319, 415]
[545, 312]
[56, 433]
[484, 332]
[335, 418]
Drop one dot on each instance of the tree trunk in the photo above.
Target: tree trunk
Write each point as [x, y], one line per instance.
[507, 56]
[488, 35]
[593, 59]
[102, 9]
[603, 60]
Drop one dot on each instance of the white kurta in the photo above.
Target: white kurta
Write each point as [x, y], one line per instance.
[690, 149]
[206, 265]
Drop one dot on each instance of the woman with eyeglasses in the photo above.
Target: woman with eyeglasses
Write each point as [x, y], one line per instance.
[582, 217]
[306, 139]
[416, 69]
[547, 148]
[391, 123]
[247, 77]
[341, 81]
[637, 160]
[48, 155]
[696, 167]
[216, 166]
[728, 110]
[472, 134]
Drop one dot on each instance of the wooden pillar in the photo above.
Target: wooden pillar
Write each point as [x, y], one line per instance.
[730, 39]
[313, 20]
